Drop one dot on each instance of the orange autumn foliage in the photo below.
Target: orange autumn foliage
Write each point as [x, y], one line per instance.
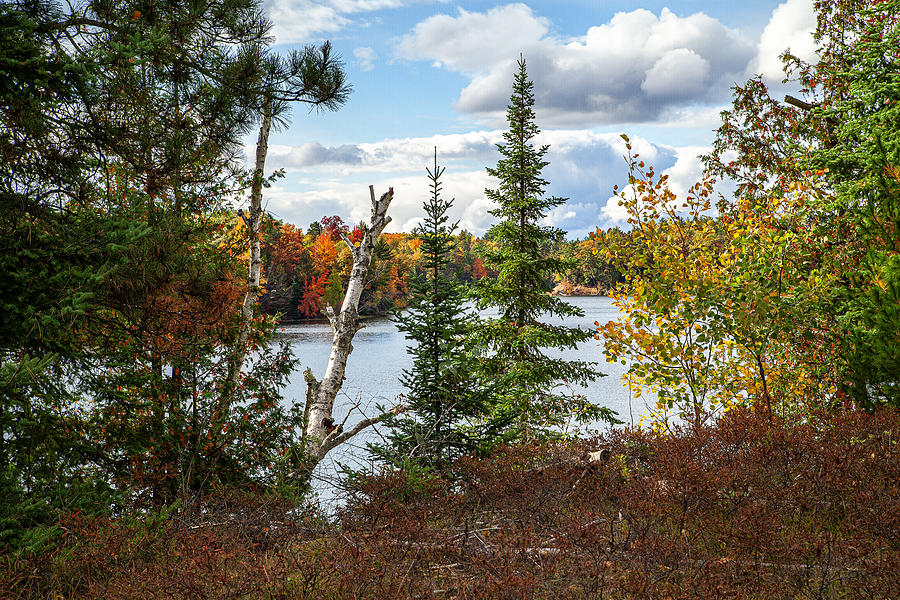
[182, 311]
[313, 290]
[323, 252]
[288, 248]
[478, 270]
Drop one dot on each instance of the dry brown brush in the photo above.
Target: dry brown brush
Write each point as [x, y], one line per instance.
[741, 509]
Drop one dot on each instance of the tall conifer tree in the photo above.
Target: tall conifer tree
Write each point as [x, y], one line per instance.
[511, 344]
[444, 402]
[861, 159]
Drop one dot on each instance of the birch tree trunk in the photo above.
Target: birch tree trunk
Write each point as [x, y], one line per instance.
[252, 222]
[321, 433]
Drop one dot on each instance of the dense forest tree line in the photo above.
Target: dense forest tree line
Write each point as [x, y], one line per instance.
[304, 271]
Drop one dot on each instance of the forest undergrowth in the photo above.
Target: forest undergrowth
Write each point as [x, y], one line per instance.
[744, 508]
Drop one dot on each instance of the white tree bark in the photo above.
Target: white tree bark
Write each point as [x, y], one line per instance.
[321, 433]
[252, 222]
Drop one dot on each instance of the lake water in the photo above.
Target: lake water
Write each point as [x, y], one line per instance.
[379, 357]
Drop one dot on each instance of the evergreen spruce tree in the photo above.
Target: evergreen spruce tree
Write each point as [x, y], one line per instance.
[511, 344]
[861, 157]
[444, 404]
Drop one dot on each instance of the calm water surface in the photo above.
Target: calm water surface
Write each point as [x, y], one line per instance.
[379, 357]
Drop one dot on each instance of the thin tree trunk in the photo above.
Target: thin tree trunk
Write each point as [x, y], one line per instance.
[762, 376]
[251, 296]
[321, 433]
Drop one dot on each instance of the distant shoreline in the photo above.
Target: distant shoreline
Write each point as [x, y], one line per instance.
[564, 288]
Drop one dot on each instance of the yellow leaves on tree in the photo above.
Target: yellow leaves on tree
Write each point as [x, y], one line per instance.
[716, 309]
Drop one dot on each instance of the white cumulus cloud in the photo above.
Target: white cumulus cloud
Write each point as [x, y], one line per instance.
[297, 21]
[638, 67]
[302, 205]
[471, 42]
[584, 166]
[365, 57]
[677, 73]
[790, 27]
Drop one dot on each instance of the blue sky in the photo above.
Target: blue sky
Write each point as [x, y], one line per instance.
[439, 73]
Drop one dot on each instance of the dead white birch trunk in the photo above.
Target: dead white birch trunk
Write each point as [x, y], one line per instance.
[252, 222]
[321, 433]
